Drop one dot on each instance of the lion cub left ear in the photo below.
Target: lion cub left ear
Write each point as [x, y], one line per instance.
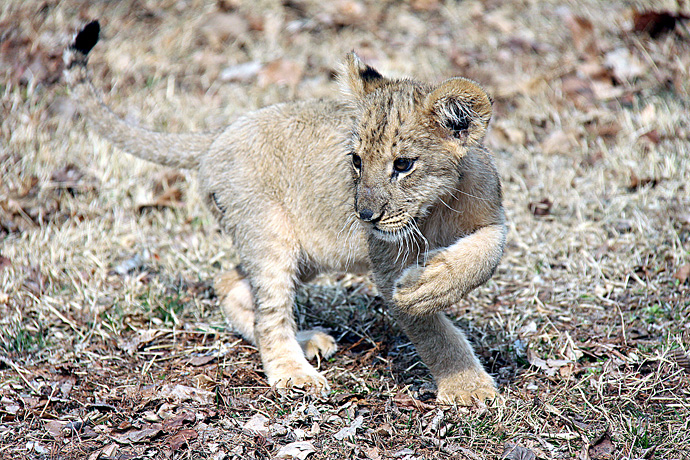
[359, 79]
[461, 108]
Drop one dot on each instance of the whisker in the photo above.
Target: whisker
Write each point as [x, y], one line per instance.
[469, 194]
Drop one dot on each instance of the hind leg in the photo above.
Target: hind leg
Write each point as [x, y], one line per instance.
[237, 305]
[236, 302]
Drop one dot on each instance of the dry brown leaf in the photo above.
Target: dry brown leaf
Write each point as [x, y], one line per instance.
[653, 136]
[516, 452]
[4, 262]
[602, 449]
[373, 453]
[579, 91]
[55, 427]
[407, 401]
[137, 436]
[182, 438]
[296, 450]
[204, 382]
[181, 393]
[384, 429]
[682, 274]
[280, 72]
[582, 31]
[656, 23]
[201, 360]
[257, 424]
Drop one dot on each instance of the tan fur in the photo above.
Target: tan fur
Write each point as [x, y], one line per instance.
[308, 187]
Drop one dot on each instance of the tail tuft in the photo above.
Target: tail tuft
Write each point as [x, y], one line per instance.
[87, 38]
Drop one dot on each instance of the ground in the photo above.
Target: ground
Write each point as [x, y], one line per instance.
[112, 345]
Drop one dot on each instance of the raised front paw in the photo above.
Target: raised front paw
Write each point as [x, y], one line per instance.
[422, 290]
[316, 343]
[300, 376]
[466, 388]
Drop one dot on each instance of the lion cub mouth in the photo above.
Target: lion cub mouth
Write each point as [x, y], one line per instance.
[392, 228]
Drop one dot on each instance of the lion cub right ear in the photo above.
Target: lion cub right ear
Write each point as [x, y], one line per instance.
[461, 108]
[359, 79]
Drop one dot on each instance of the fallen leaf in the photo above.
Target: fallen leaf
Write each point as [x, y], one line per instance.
[602, 449]
[349, 431]
[200, 360]
[516, 452]
[582, 31]
[181, 393]
[682, 274]
[136, 436]
[549, 366]
[656, 23]
[407, 401]
[540, 208]
[54, 427]
[4, 262]
[182, 438]
[256, 425]
[299, 450]
[373, 453]
[178, 421]
[652, 136]
[385, 429]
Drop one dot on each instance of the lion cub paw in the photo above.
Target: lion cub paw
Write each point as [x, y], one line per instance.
[466, 388]
[316, 343]
[305, 377]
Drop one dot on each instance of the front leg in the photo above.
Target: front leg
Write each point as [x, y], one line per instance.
[450, 273]
[459, 376]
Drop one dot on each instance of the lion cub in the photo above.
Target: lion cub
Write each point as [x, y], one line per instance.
[393, 179]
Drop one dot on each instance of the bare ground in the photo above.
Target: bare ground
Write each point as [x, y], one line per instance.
[111, 343]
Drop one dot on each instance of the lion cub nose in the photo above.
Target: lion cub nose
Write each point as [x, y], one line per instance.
[366, 215]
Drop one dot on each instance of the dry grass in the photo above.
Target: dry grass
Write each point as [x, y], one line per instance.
[585, 324]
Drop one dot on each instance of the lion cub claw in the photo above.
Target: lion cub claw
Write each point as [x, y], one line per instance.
[316, 343]
[304, 377]
[466, 388]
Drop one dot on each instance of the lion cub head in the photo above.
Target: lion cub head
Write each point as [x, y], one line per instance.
[407, 144]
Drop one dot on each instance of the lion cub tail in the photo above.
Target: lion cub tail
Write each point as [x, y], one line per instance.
[177, 150]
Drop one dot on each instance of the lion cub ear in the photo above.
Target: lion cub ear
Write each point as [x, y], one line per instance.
[359, 79]
[461, 108]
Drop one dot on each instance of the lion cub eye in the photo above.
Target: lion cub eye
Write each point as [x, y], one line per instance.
[403, 165]
[356, 161]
